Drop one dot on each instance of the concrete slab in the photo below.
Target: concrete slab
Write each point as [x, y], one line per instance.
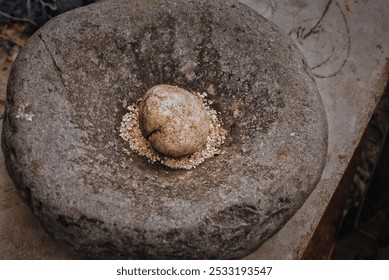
[346, 44]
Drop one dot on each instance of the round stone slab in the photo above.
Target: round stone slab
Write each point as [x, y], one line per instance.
[70, 87]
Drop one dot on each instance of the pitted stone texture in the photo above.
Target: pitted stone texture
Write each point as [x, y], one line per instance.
[68, 91]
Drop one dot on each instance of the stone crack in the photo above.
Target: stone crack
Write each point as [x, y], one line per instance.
[59, 70]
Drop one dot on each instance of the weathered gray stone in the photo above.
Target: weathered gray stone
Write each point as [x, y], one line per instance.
[67, 94]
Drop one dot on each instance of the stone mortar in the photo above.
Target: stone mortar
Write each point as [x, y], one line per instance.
[70, 87]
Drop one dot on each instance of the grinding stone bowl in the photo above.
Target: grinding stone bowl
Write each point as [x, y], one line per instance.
[70, 87]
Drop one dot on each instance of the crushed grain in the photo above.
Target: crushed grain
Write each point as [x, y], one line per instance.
[130, 131]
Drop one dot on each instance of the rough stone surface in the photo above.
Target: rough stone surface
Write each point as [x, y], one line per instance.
[68, 91]
[173, 120]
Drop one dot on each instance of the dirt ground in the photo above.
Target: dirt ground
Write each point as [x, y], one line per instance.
[12, 38]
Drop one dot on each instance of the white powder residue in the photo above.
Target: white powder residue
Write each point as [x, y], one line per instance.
[131, 132]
